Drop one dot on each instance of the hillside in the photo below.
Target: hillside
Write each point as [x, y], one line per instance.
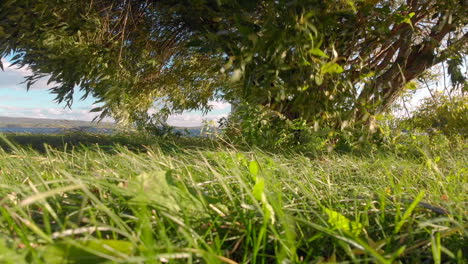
[16, 124]
[26, 122]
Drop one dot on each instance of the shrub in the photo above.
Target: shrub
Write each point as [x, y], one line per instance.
[441, 114]
[262, 127]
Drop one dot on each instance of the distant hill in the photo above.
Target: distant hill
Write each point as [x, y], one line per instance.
[26, 122]
[44, 125]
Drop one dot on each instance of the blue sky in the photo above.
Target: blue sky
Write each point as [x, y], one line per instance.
[38, 102]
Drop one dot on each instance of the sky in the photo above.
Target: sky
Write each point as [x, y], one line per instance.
[38, 102]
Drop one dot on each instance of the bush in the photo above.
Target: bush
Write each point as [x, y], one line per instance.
[260, 126]
[409, 138]
[441, 114]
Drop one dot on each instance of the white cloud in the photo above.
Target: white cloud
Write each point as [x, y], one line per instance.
[13, 98]
[192, 120]
[12, 78]
[24, 71]
[219, 105]
[49, 112]
[196, 119]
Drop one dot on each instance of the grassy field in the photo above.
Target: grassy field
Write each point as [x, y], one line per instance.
[120, 201]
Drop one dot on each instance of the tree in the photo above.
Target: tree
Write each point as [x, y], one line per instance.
[333, 62]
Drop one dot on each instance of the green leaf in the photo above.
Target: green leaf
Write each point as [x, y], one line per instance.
[318, 52]
[253, 37]
[318, 79]
[411, 86]
[96, 109]
[259, 188]
[352, 5]
[154, 188]
[254, 168]
[16, 57]
[260, 195]
[236, 75]
[340, 222]
[407, 19]
[242, 159]
[332, 67]
[152, 62]
[409, 211]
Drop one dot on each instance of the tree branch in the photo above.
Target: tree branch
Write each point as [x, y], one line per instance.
[457, 45]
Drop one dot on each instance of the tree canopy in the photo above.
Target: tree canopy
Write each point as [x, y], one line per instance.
[329, 61]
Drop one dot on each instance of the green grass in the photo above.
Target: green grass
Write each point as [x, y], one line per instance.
[163, 203]
[131, 140]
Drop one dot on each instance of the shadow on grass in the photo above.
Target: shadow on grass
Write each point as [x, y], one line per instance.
[107, 142]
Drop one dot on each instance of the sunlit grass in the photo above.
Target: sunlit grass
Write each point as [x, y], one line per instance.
[207, 205]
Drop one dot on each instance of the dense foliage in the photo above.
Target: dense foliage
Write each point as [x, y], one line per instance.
[326, 62]
[441, 113]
